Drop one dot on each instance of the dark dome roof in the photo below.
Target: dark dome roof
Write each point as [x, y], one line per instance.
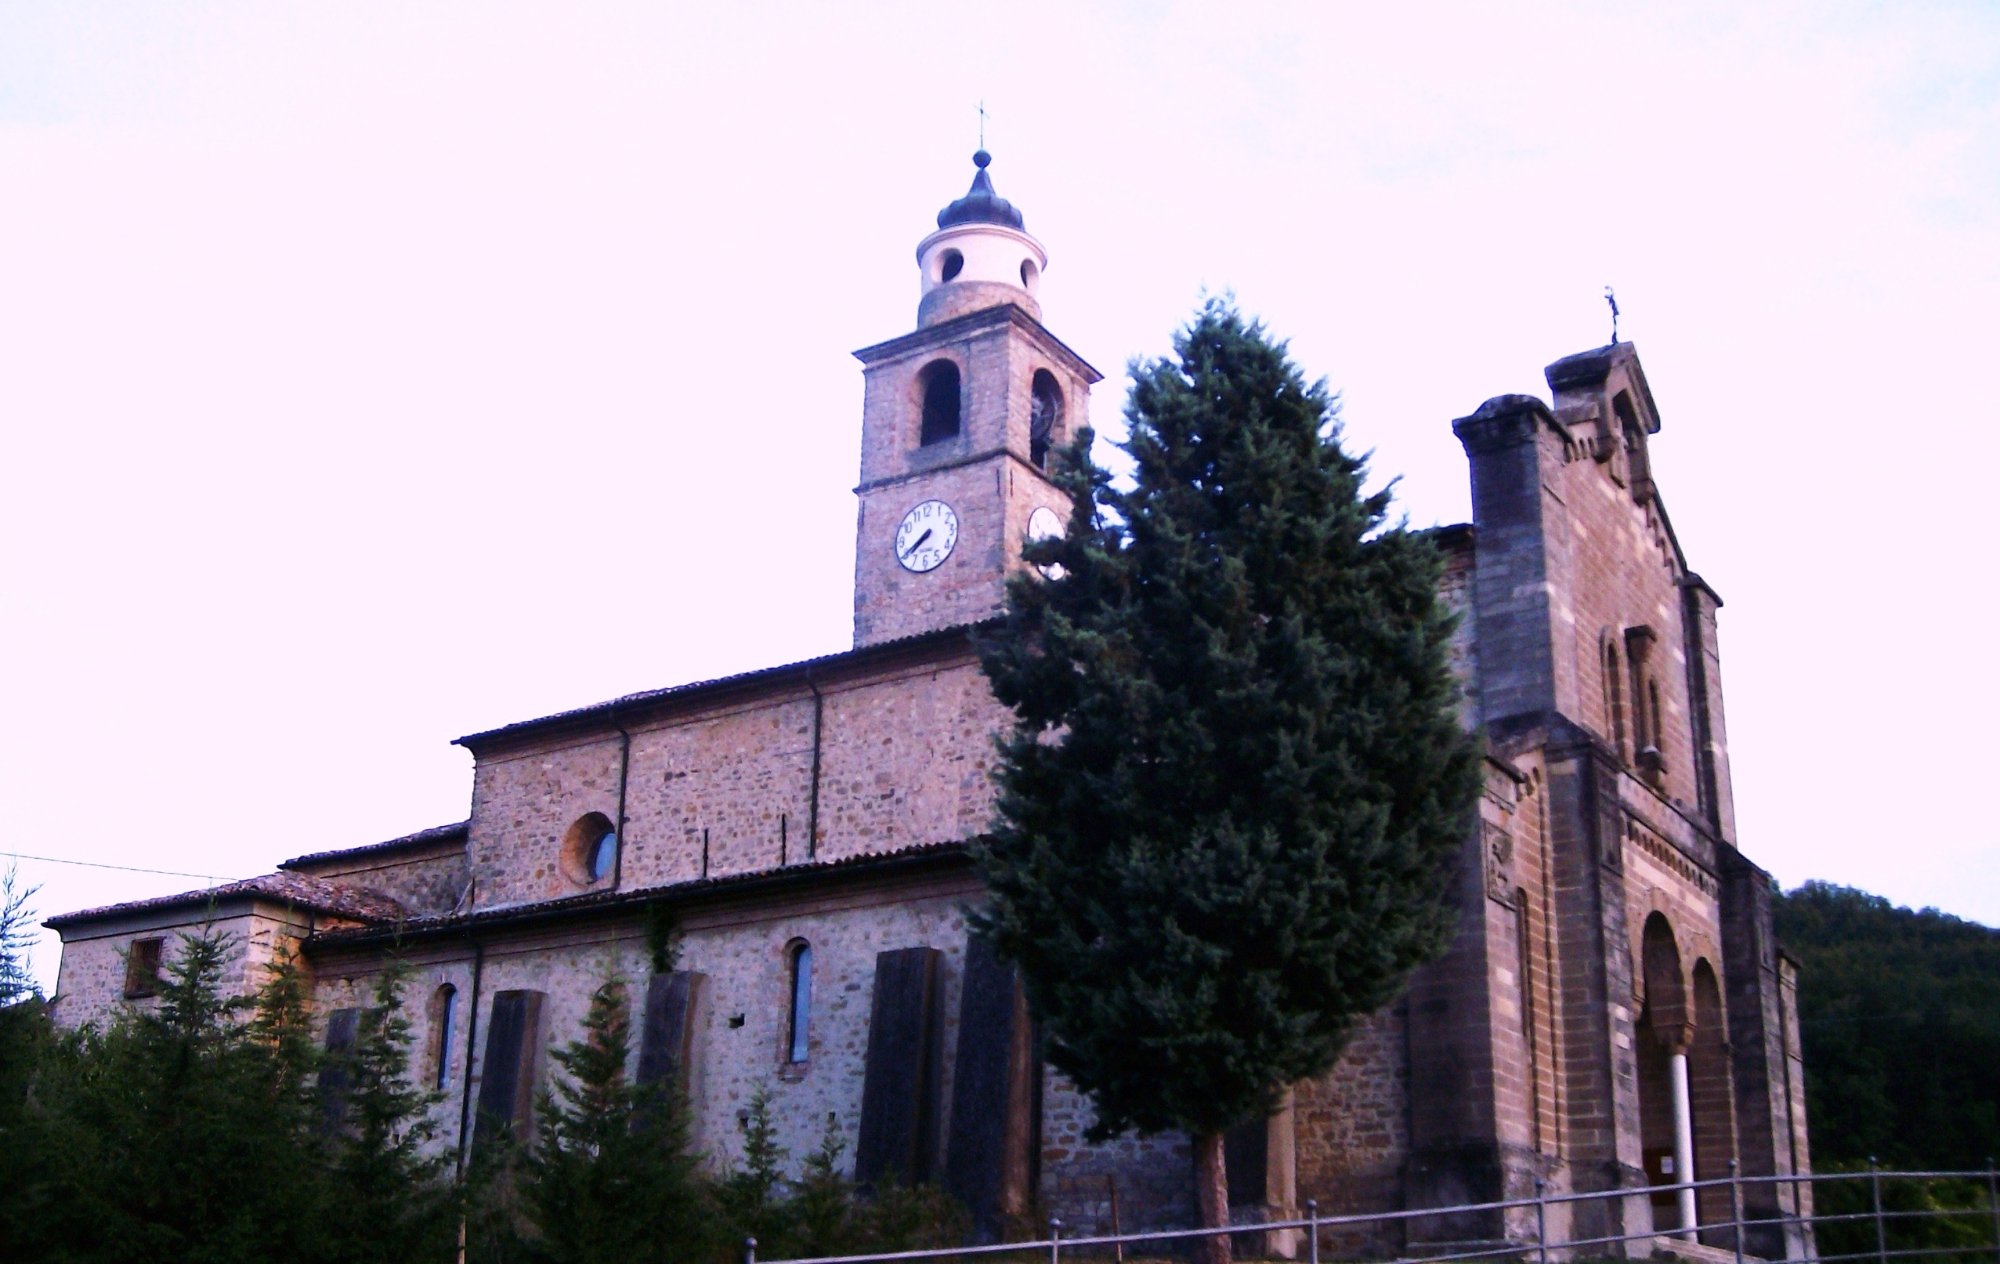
[981, 205]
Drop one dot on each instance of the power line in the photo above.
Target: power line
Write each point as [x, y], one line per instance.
[95, 864]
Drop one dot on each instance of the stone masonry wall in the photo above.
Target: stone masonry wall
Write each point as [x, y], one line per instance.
[740, 1022]
[905, 756]
[425, 882]
[90, 981]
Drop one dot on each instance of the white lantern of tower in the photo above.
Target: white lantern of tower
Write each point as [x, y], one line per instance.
[980, 256]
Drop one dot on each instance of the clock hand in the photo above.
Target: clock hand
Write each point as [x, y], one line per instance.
[917, 543]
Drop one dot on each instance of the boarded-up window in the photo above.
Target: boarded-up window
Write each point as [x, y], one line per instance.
[507, 1072]
[142, 967]
[1245, 1152]
[666, 1042]
[336, 1073]
[991, 1159]
[900, 1094]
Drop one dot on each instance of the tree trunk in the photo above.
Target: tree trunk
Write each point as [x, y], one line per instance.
[1211, 1193]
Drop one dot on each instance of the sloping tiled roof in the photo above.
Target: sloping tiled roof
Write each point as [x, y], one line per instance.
[858, 865]
[408, 842]
[958, 634]
[294, 889]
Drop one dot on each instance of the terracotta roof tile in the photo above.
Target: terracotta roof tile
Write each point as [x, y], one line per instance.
[294, 889]
[422, 838]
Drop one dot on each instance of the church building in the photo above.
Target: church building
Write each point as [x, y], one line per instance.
[1614, 1014]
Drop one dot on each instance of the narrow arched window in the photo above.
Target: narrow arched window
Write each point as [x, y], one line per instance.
[1044, 415]
[1524, 963]
[444, 1017]
[1653, 728]
[1614, 698]
[799, 1030]
[940, 386]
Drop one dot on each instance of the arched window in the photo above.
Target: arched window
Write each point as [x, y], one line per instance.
[799, 1030]
[1524, 963]
[1044, 415]
[444, 1020]
[940, 386]
[1654, 761]
[1614, 697]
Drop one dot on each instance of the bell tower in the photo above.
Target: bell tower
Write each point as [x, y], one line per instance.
[960, 421]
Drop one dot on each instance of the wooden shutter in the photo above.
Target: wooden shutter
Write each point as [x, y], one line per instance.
[335, 1073]
[900, 1091]
[992, 1158]
[507, 1072]
[666, 1041]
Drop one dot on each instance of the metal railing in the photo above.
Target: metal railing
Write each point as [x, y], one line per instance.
[1883, 1230]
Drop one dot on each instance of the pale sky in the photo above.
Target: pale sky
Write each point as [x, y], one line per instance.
[371, 375]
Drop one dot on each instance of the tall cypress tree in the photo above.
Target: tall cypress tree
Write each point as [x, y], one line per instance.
[1237, 781]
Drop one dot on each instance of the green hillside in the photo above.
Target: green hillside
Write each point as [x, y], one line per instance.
[1899, 1012]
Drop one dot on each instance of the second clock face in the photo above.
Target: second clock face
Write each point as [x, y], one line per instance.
[926, 536]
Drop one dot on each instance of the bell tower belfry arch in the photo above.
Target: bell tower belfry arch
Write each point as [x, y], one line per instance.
[960, 421]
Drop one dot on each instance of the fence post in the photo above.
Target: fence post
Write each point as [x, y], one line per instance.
[1541, 1220]
[1312, 1228]
[1993, 1201]
[1875, 1192]
[749, 1251]
[1736, 1208]
[1055, 1241]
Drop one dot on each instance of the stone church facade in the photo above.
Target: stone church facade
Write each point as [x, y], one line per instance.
[1614, 1010]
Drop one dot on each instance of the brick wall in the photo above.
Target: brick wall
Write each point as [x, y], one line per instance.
[982, 472]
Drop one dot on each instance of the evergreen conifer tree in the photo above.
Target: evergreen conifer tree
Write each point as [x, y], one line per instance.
[392, 1192]
[610, 1179]
[281, 1022]
[1237, 781]
[752, 1196]
[25, 1047]
[158, 1139]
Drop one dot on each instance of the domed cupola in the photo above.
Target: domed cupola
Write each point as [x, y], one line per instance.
[980, 256]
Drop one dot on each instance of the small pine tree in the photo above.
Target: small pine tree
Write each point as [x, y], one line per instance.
[17, 938]
[281, 1022]
[1237, 782]
[610, 1179]
[751, 1196]
[389, 1179]
[823, 1207]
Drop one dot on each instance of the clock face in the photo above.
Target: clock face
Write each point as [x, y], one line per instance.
[926, 536]
[1044, 525]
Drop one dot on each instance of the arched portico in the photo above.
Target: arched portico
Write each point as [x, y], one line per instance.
[1712, 1100]
[1664, 1036]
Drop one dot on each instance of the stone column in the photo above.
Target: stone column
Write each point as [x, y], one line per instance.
[1677, 1075]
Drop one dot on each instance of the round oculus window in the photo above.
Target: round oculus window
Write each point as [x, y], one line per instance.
[590, 849]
